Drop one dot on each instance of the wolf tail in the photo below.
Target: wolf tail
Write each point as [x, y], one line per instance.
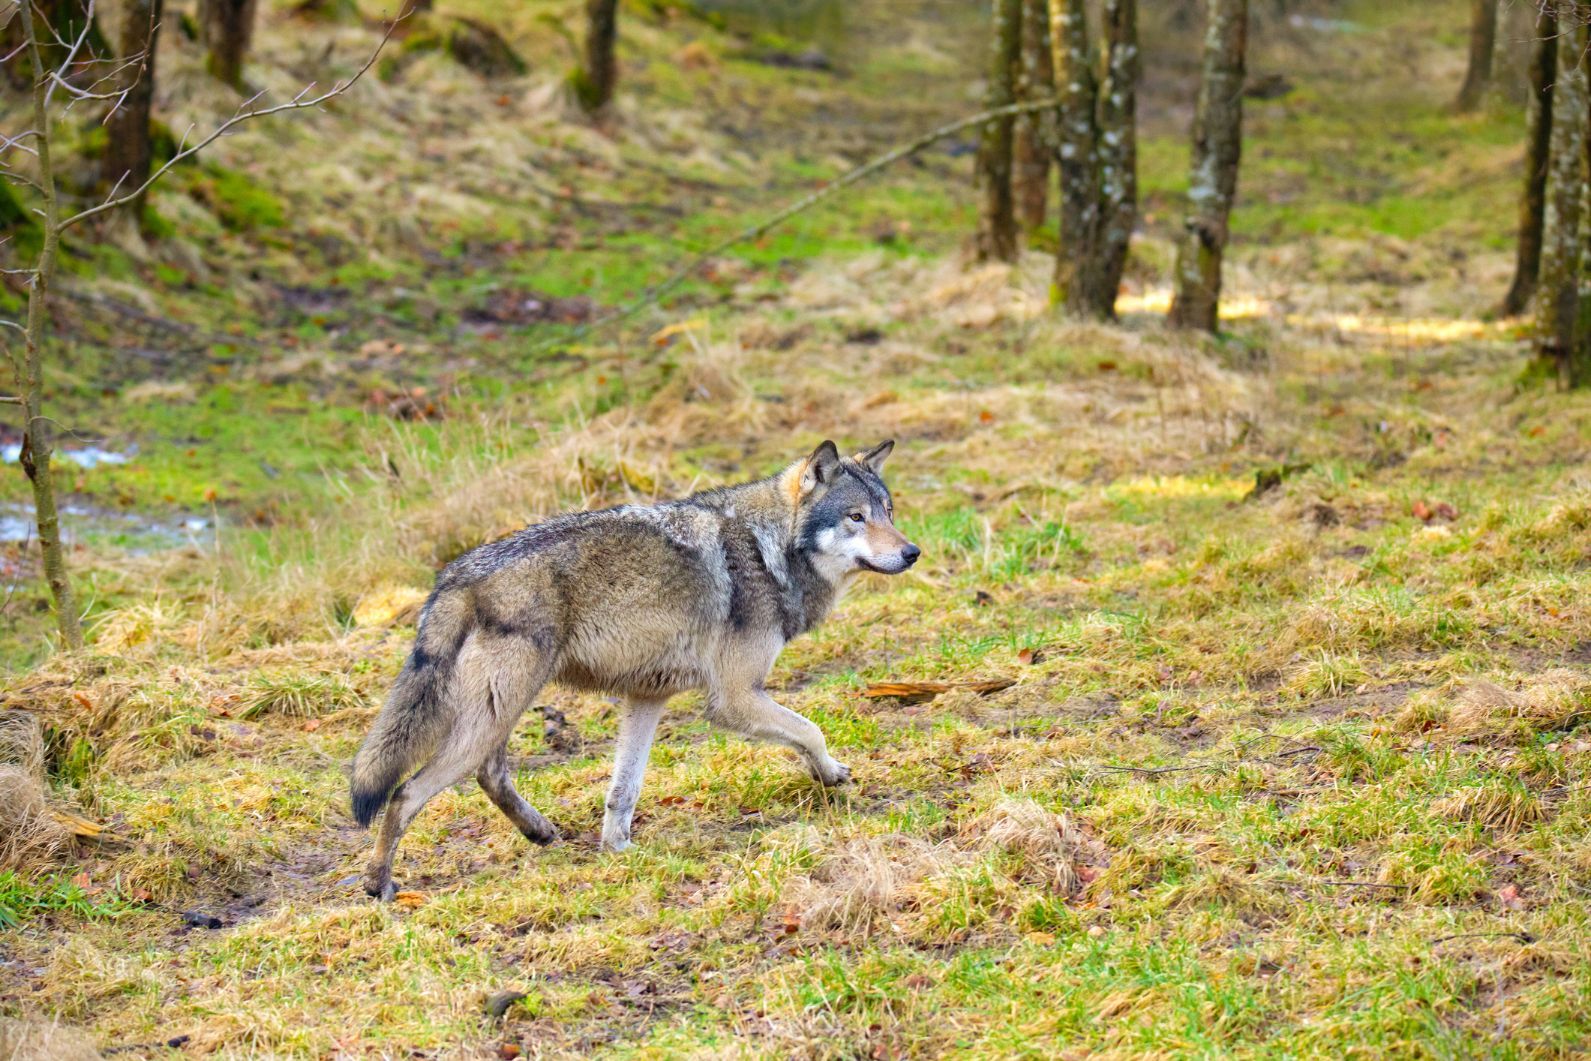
[416, 715]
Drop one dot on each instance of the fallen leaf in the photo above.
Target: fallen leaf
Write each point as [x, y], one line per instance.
[1509, 896]
[409, 900]
[1421, 511]
[508, 1051]
[1446, 511]
[311, 725]
[1029, 656]
[918, 692]
[985, 416]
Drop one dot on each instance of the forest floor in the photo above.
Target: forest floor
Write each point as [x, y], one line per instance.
[1298, 770]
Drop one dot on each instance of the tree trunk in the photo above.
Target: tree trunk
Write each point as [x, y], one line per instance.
[1212, 173]
[226, 27]
[1116, 155]
[1557, 297]
[1035, 131]
[38, 444]
[127, 147]
[598, 76]
[1482, 42]
[997, 233]
[1538, 134]
[1074, 149]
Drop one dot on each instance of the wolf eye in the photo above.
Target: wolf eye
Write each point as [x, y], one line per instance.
[857, 517]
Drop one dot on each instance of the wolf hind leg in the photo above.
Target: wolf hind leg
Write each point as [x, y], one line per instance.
[498, 785]
[494, 681]
[637, 726]
[452, 765]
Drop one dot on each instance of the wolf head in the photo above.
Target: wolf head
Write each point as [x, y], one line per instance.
[844, 516]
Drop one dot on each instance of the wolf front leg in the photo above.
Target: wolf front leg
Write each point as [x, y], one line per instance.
[753, 713]
[637, 726]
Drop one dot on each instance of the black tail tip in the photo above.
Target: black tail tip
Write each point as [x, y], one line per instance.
[367, 803]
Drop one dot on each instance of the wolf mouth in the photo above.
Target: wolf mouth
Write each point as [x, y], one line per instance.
[868, 565]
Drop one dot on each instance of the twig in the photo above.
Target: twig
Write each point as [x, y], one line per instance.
[1523, 937]
[1357, 884]
[657, 291]
[298, 102]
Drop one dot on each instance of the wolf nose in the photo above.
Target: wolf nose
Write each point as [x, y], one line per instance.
[910, 554]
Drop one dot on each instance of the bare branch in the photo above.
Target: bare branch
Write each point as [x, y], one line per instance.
[8, 142]
[71, 55]
[298, 102]
[11, 399]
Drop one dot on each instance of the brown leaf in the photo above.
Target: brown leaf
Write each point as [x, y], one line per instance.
[1421, 511]
[311, 725]
[1029, 656]
[409, 900]
[918, 692]
[1509, 896]
[1446, 511]
[508, 1051]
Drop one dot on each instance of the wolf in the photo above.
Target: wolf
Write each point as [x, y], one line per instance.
[639, 601]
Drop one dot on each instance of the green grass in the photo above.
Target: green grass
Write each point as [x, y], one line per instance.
[1296, 775]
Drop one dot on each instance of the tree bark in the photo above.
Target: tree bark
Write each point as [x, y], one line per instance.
[227, 27]
[996, 238]
[1212, 175]
[127, 149]
[1116, 156]
[38, 443]
[598, 75]
[1035, 131]
[1077, 92]
[1538, 135]
[1482, 42]
[1557, 297]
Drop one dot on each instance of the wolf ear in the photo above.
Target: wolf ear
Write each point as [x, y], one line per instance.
[820, 467]
[875, 457]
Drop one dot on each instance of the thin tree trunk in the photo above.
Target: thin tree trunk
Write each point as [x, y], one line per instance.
[996, 239]
[38, 443]
[1074, 152]
[1482, 42]
[1538, 135]
[1035, 131]
[1557, 297]
[227, 27]
[1212, 176]
[127, 149]
[1116, 153]
[598, 76]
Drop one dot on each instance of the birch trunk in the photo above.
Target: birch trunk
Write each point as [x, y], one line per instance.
[1482, 42]
[1212, 177]
[1538, 135]
[996, 239]
[1557, 297]
[1116, 157]
[1035, 131]
[1077, 92]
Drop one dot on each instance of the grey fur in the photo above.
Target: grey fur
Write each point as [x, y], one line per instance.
[639, 601]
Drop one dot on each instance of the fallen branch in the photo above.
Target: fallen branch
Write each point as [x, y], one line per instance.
[656, 292]
[1523, 937]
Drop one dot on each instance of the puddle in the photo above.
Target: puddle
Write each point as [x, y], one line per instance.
[136, 532]
[83, 456]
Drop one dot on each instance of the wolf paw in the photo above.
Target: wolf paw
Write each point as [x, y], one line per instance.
[616, 844]
[381, 892]
[543, 837]
[834, 773]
